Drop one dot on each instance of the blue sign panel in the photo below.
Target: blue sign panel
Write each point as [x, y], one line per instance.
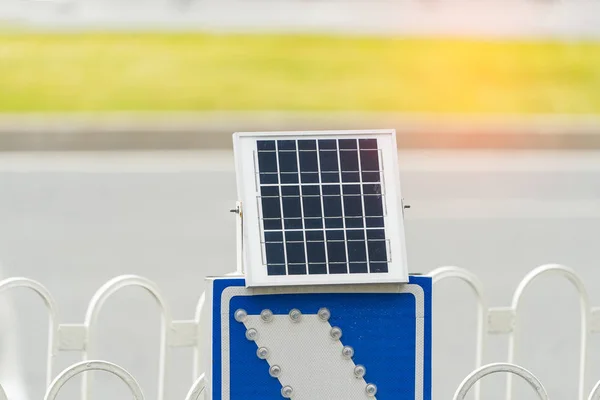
[321, 343]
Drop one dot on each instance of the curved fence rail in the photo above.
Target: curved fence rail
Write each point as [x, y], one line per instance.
[475, 376]
[84, 366]
[595, 393]
[98, 365]
[503, 320]
[197, 392]
[197, 389]
[81, 337]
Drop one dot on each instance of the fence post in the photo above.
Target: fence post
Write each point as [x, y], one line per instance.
[479, 373]
[199, 343]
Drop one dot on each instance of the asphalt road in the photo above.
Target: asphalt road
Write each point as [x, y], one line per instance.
[73, 221]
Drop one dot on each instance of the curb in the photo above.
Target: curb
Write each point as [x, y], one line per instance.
[213, 130]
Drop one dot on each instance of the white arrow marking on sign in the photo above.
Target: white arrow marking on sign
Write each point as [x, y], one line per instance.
[311, 360]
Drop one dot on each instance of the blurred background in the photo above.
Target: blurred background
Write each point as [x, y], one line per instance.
[116, 158]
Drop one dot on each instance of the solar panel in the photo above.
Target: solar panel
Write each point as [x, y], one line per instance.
[320, 207]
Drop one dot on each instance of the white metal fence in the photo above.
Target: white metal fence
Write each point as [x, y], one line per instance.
[187, 333]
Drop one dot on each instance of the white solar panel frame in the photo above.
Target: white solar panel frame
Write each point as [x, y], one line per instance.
[244, 147]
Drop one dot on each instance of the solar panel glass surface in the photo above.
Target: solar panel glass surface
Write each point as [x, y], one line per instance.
[322, 206]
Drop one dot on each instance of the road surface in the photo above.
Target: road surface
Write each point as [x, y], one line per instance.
[75, 220]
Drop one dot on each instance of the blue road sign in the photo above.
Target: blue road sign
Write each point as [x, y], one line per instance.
[338, 342]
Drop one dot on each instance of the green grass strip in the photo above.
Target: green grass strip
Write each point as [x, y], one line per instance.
[161, 72]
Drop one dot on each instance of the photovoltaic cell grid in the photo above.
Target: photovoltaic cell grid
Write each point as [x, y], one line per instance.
[321, 206]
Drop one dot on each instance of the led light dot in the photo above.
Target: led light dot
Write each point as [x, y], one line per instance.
[360, 371]
[240, 315]
[347, 352]
[262, 353]
[371, 390]
[275, 371]
[287, 392]
[324, 314]
[266, 315]
[336, 333]
[251, 334]
[295, 315]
